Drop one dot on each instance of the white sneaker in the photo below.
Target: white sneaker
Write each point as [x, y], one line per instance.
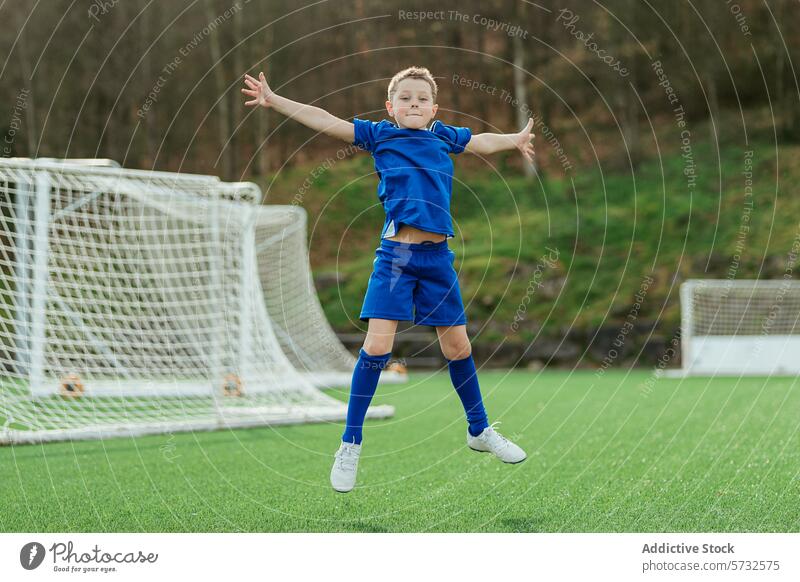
[345, 466]
[491, 441]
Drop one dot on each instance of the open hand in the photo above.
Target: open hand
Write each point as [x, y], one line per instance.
[258, 90]
[523, 141]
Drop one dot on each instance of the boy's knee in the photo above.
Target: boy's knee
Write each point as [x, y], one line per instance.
[377, 347]
[457, 350]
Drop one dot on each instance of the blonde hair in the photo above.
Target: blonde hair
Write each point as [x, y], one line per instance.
[412, 73]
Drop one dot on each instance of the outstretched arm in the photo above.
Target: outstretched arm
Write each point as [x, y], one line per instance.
[490, 143]
[314, 117]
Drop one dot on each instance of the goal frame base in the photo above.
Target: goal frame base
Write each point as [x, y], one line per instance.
[253, 418]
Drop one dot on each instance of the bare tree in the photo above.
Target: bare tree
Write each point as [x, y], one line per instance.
[787, 89]
[521, 79]
[224, 115]
[31, 132]
[264, 47]
[625, 88]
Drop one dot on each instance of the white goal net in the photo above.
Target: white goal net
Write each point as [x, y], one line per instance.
[135, 302]
[740, 327]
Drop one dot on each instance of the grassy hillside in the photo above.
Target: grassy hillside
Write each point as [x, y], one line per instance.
[608, 229]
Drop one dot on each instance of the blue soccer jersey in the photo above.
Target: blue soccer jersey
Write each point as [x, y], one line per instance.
[415, 172]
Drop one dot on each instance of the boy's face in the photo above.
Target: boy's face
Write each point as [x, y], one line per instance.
[412, 105]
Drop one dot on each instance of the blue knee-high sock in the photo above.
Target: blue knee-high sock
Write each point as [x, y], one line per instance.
[465, 381]
[366, 373]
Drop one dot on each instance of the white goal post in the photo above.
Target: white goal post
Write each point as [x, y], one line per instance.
[740, 327]
[135, 302]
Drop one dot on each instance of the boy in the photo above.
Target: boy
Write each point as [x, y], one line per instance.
[413, 264]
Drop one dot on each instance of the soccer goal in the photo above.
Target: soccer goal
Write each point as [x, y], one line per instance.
[284, 270]
[745, 327]
[139, 302]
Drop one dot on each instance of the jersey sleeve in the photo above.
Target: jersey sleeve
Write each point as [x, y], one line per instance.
[455, 137]
[366, 133]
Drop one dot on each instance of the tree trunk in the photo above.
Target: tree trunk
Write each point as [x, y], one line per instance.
[261, 123]
[625, 86]
[521, 82]
[238, 67]
[483, 102]
[224, 112]
[31, 132]
[151, 117]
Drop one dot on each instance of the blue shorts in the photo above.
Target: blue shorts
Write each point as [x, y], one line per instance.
[414, 274]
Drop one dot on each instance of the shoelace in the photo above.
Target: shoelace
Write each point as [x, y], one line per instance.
[503, 440]
[347, 458]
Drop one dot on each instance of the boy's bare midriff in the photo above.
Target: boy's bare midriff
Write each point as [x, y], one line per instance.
[410, 234]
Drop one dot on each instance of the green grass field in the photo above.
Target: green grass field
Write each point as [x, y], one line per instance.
[615, 453]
